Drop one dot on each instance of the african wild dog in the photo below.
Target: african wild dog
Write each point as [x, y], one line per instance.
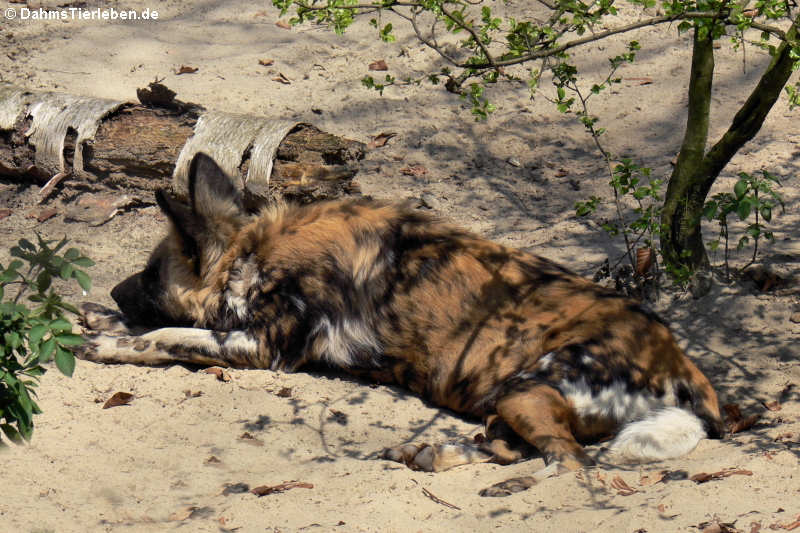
[386, 292]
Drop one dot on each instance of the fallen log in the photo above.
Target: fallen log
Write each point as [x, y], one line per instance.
[94, 144]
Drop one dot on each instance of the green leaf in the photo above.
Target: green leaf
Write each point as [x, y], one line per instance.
[25, 244]
[84, 262]
[743, 209]
[766, 213]
[46, 350]
[65, 361]
[61, 325]
[72, 254]
[83, 280]
[740, 189]
[12, 433]
[36, 333]
[69, 339]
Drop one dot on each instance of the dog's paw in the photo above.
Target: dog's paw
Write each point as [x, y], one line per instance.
[98, 318]
[508, 487]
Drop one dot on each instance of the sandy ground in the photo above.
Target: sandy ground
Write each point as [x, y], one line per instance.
[164, 461]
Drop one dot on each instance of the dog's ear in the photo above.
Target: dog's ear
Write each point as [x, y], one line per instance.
[188, 225]
[212, 193]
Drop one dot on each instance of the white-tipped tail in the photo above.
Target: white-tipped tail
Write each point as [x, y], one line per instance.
[662, 434]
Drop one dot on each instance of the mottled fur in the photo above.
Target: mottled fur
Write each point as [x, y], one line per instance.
[386, 292]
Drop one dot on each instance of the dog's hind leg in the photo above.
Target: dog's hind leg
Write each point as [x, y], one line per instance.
[175, 345]
[539, 414]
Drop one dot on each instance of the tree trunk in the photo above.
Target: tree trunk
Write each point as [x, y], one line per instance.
[695, 172]
[682, 243]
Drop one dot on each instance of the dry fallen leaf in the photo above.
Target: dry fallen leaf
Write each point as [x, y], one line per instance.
[285, 392]
[703, 477]
[283, 24]
[644, 260]
[265, 490]
[773, 405]
[414, 170]
[5, 213]
[212, 460]
[280, 78]
[119, 398]
[43, 214]
[186, 70]
[734, 420]
[380, 140]
[561, 172]
[641, 81]
[623, 489]
[265, 62]
[220, 373]
[250, 439]
[378, 65]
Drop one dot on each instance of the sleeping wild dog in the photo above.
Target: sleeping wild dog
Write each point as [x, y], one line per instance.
[384, 292]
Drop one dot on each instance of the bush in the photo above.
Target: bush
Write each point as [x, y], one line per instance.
[31, 336]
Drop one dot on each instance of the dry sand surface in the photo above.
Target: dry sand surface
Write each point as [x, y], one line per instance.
[163, 462]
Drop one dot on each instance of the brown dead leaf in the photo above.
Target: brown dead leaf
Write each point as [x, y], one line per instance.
[186, 70]
[250, 439]
[285, 392]
[703, 477]
[641, 81]
[750, 12]
[379, 65]
[119, 398]
[5, 213]
[212, 460]
[652, 478]
[414, 170]
[380, 140]
[644, 260]
[623, 489]
[266, 62]
[561, 172]
[280, 78]
[661, 508]
[755, 527]
[265, 490]
[283, 24]
[734, 420]
[43, 214]
[219, 372]
[773, 405]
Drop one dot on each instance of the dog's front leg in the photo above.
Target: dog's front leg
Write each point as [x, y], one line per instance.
[176, 345]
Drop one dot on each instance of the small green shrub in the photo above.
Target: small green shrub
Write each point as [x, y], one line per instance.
[31, 336]
[752, 195]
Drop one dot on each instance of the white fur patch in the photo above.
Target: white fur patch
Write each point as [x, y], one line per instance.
[662, 434]
[614, 402]
[244, 275]
[338, 342]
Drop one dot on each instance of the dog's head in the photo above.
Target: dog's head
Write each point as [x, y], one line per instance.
[170, 290]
